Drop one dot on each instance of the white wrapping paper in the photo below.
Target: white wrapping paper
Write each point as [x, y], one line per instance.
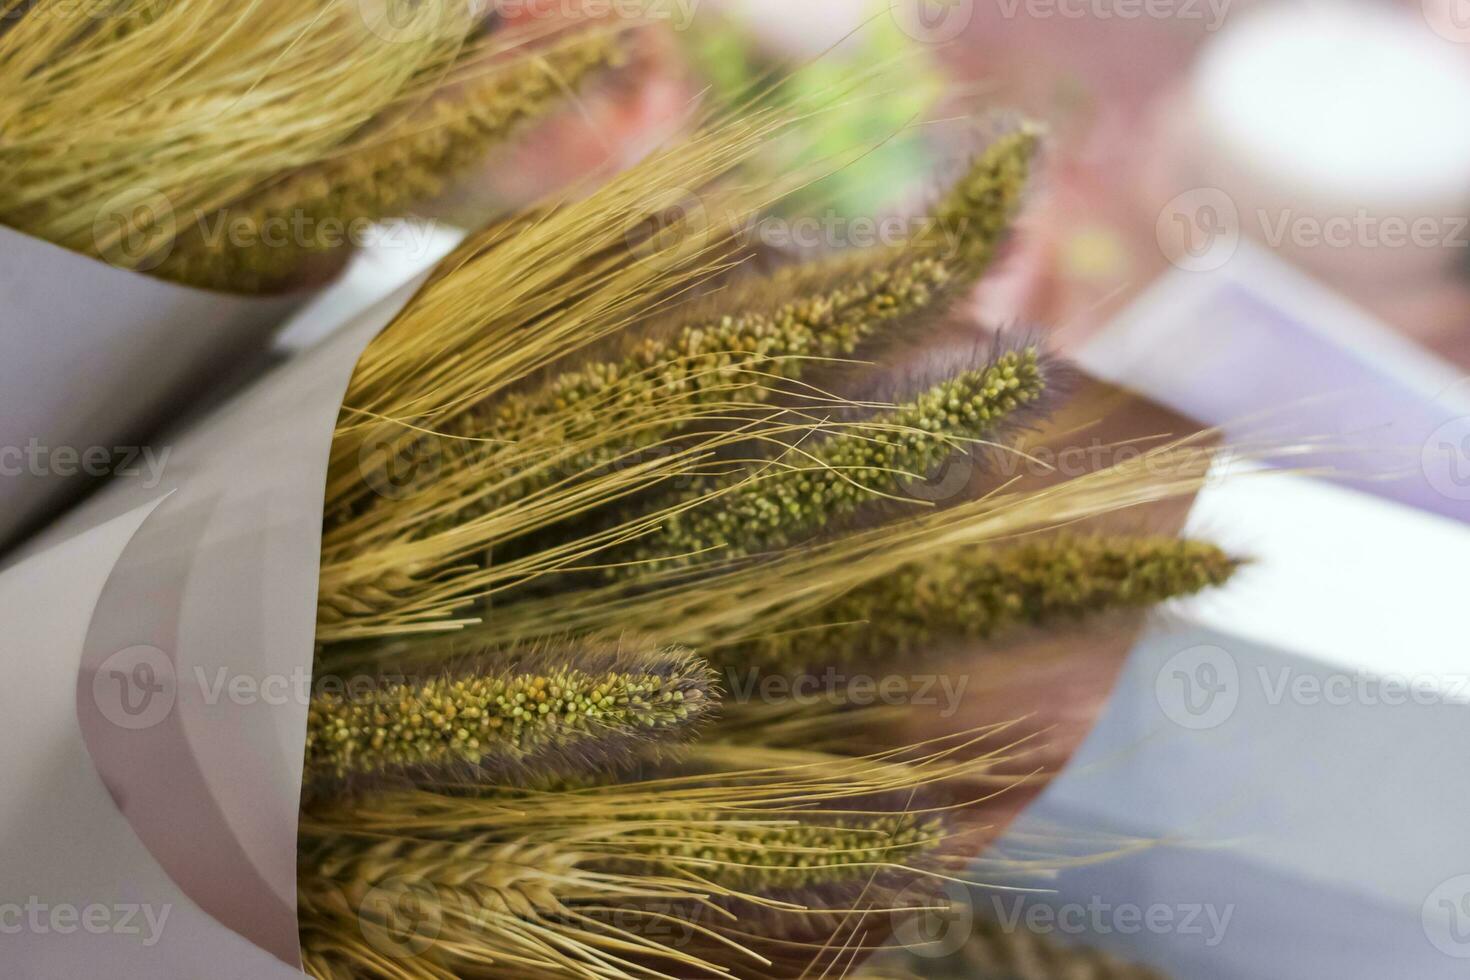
[157, 647]
[92, 357]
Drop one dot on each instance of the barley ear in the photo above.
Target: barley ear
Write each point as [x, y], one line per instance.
[309, 213]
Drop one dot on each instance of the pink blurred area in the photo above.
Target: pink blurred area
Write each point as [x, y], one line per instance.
[1112, 91]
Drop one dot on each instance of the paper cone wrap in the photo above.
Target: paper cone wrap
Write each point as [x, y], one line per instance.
[158, 650]
[95, 357]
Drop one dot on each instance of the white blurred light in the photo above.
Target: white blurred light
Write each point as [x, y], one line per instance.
[806, 27]
[1341, 101]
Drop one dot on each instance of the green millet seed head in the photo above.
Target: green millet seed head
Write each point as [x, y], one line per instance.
[582, 706]
[758, 859]
[742, 855]
[781, 505]
[978, 210]
[974, 595]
